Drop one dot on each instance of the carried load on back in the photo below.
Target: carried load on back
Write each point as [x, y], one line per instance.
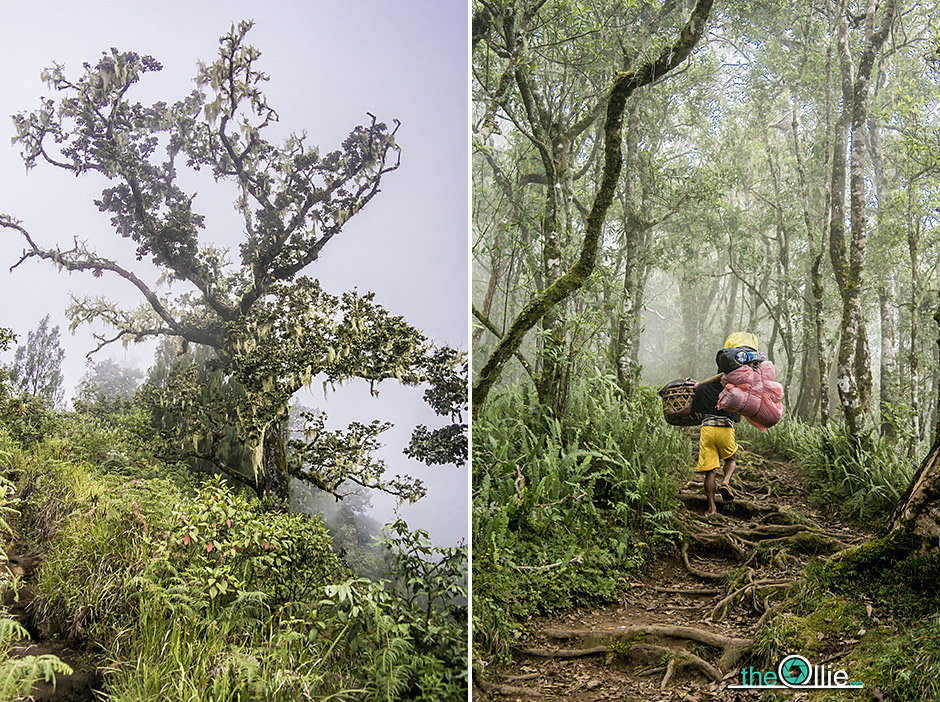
[748, 382]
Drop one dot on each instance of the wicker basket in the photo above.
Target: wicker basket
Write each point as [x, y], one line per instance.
[677, 403]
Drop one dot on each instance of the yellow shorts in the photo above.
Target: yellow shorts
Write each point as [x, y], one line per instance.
[715, 443]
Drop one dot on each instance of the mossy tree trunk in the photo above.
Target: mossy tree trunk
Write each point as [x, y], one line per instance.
[575, 277]
[848, 257]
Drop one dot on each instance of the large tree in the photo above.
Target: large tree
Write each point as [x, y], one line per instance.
[270, 328]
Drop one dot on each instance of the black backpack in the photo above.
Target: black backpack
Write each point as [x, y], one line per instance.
[733, 358]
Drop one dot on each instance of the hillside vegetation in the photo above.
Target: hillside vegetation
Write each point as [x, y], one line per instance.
[171, 584]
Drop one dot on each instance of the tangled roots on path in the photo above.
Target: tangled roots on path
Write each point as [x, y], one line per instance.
[624, 640]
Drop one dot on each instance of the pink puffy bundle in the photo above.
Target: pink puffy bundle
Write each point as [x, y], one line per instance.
[753, 393]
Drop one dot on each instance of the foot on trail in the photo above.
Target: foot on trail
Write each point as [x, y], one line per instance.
[680, 632]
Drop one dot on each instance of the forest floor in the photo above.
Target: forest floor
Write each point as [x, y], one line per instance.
[682, 629]
[81, 684]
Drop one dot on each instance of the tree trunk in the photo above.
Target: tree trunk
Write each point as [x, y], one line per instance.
[887, 294]
[918, 513]
[848, 259]
[552, 384]
[272, 476]
[913, 352]
[819, 330]
[814, 391]
[629, 326]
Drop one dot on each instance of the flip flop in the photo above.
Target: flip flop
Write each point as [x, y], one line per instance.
[726, 493]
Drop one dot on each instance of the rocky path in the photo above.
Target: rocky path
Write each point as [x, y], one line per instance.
[682, 628]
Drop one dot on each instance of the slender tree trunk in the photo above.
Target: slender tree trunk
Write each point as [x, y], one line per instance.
[628, 326]
[887, 297]
[819, 330]
[888, 394]
[552, 385]
[913, 352]
[854, 372]
[813, 400]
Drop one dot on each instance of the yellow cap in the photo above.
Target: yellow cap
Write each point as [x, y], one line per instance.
[741, 339]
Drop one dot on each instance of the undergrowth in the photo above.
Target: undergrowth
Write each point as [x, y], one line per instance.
[564, 508]
[18, 673]
[877, 607]
[864, 477]
[182, 587]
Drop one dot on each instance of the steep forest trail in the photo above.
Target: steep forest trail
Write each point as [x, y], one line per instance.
[82, 683]
[681, 630]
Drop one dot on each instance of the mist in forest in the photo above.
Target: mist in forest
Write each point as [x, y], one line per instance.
[782, 181]
[648, 179]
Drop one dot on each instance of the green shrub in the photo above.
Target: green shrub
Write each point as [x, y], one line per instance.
[210, 597]
[183, 588]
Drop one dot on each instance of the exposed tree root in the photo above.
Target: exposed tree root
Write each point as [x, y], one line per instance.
[566, 652]
[784, 515]
[694, 570]
[756, 532]
[500, 688]
[520, 678]
[692, 592]
[739, 508]
[720, 611]
[676, 659]
[741, 548]
[779, 549]
[810, 542]
[731, 648]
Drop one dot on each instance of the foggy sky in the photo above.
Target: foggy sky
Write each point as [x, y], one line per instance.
[329, 63]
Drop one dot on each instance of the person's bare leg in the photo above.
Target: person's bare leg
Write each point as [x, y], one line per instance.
[730, 465]
[710, 492]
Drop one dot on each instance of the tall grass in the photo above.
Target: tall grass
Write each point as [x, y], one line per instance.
[864, 476]
[563, 509]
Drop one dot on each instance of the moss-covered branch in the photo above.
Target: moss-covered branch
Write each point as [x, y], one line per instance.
[574, 277]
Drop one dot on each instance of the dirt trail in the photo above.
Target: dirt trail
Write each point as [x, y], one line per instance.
[680, 630]
[80, 686]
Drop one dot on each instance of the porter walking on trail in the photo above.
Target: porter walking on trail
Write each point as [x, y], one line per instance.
[717, 445]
